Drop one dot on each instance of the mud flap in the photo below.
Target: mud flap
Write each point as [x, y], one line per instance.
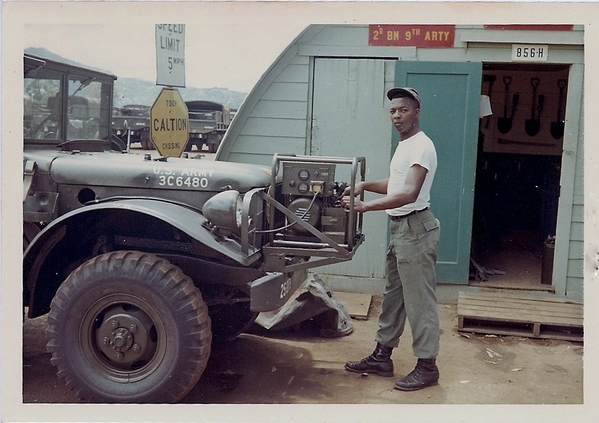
[334, 320]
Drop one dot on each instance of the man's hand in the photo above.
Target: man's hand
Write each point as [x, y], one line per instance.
[359, 205]
[358, 190]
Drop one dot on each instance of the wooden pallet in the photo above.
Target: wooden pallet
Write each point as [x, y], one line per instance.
[520, 315]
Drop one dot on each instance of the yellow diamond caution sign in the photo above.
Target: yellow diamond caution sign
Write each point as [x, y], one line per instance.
[169, 123]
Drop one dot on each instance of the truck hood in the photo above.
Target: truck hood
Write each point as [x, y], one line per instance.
[134, 171]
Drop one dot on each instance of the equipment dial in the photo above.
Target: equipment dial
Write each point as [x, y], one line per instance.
[303, 174]
[303, 188]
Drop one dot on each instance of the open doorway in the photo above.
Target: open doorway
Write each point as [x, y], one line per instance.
[517, 176]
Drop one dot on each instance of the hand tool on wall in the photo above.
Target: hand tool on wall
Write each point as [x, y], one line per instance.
[557, 127]
[490, 79]
[504, 124]
[515, 100]
[533, 124]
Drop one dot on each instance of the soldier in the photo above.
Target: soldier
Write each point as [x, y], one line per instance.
[412, 252]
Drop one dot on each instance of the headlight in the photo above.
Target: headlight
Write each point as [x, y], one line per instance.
[224, 210]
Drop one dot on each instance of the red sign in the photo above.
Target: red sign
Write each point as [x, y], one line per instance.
[411, 35]
[534, 27]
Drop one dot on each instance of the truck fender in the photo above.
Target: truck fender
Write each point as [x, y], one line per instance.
[187, 220]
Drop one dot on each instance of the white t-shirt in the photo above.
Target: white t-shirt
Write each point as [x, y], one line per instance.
[418, 149]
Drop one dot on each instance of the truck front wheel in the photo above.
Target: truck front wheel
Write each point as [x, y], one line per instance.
[129, 327]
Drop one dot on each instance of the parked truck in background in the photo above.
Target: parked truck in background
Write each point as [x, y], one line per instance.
[141, 261]
[131, 123]
[208, 122]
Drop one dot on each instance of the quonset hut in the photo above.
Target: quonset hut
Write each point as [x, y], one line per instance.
[509, 186]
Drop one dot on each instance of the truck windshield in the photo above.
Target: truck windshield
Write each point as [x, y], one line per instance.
[85, 109]
[42, 112]
[84, 113]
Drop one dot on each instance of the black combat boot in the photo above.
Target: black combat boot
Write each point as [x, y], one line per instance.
[424, 374]
[378, 362]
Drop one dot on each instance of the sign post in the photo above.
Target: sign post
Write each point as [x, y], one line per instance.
[169, 119]
[169, 123]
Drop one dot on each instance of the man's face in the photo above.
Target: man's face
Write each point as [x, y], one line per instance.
[404, 113]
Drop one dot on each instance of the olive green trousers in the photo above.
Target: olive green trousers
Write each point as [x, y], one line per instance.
[411, 282]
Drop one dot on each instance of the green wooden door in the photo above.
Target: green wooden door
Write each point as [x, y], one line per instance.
[450, 94]
[350, 118]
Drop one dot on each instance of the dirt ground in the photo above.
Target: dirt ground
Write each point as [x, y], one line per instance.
[299, 367]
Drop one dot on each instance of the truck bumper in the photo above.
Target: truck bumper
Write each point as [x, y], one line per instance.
[273, 290]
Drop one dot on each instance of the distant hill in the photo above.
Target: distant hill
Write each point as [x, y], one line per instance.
[138, 91]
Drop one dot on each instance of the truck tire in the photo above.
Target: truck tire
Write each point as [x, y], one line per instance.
[128, 326]
[146, 144]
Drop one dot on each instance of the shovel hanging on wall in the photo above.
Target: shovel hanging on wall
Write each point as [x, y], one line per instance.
[504, 124]
[533, 124]
[557, 127]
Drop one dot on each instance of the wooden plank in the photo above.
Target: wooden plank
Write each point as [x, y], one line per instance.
[543, 310]
[566, 310]
[530, 305]
[521, 300]
[530, 331]
[513, 304]
[513, 285]
[547, 311]
[520, 315]
[357, 305]
[566, 314]
[491, 295]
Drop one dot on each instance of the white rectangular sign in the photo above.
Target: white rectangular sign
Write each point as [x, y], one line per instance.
[170, 55]
[529, 52]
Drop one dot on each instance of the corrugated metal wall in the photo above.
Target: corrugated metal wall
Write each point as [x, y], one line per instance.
[273, 117]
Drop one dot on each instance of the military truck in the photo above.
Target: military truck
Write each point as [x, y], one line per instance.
[208, 122]
[131, 123]
[141, 261]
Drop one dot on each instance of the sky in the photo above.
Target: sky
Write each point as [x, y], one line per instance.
[216, 55]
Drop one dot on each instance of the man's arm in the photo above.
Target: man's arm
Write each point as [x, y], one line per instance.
[409, 193]
[380, 186]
